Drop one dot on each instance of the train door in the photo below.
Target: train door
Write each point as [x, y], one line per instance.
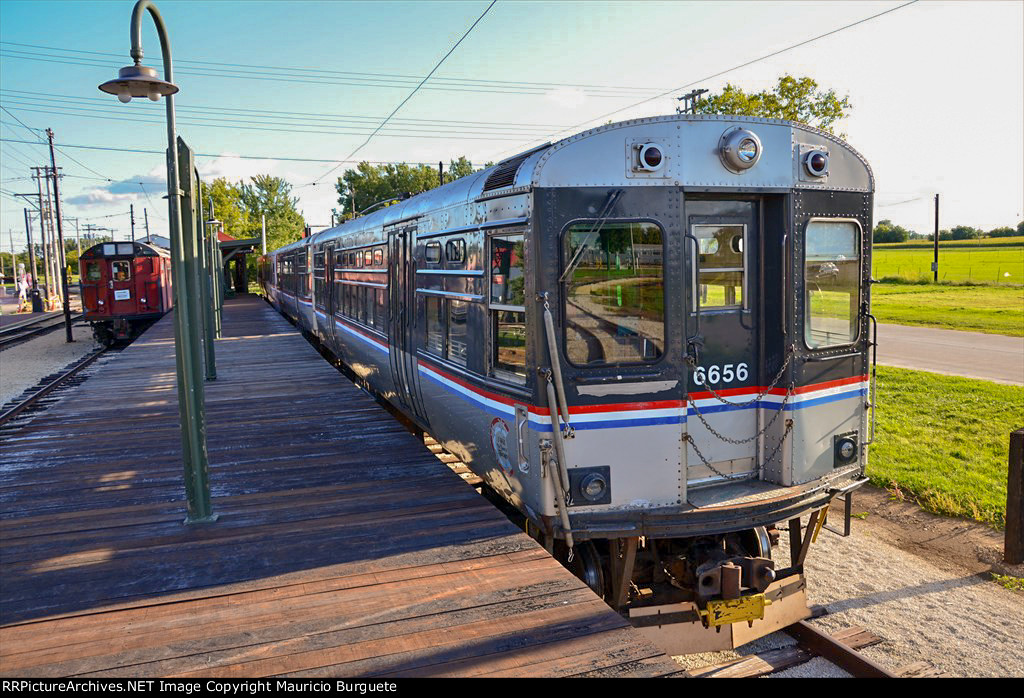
[722, 419]
[121, 284]
[402, 321]
[146, 285]
[94, 285]
[328, 291]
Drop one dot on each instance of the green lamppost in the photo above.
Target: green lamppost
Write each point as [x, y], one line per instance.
[141, 81]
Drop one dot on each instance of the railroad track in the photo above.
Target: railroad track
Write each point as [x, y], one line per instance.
[49, 384]
[11, 336]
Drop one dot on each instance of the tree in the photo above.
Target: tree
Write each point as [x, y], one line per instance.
[886, 231]
[796, 99]
[369, 184]
[271, 197]
[1003, 232]
[964, 232]
[227, 206]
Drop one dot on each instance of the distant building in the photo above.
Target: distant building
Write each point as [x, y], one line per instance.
[156, 241]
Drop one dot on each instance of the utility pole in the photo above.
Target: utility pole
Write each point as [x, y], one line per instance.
[60, 237]
[440, 173]
[131, 212]
[263, 234]
[689, 101]
[36, 303]
[935, 263]
[145, 216]
[42, 235]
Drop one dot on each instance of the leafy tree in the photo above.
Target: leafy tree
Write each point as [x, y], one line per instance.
[796, 99]
[1020, 228]
[227, 206]
[271, 196]
[964, 232]
[369, 184]
[886, 231]
[1003, 232]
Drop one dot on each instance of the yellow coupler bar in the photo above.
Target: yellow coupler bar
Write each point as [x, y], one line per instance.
[726, 611]
[785, 602]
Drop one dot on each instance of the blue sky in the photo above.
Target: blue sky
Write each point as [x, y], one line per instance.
[936, 89]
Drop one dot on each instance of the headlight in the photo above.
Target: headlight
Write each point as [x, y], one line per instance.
[739, 149]
[845, 449]
[593, 487]
[816, 163]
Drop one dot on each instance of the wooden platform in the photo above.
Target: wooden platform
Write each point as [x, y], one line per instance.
[344, 547]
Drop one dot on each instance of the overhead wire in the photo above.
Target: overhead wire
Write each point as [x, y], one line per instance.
[410, 96]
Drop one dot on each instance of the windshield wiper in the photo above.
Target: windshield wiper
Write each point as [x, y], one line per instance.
[577, 258]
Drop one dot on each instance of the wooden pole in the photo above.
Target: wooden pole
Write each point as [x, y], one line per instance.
[1013, 546]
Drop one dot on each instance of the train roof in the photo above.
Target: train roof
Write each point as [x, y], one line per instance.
[121, 249]
[600, 157]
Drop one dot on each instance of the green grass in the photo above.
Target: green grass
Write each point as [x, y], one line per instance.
[992, 309]
[1014, 240]
[944, 440]
[981, 261]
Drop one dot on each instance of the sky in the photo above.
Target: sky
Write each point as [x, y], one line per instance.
[292, 88]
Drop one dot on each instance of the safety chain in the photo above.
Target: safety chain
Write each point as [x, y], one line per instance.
[723, 437]
[778, 376]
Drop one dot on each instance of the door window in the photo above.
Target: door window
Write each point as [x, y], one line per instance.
[722, 266]
[92, 271]
[121, 270]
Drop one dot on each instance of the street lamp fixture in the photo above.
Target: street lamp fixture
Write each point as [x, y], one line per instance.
[138, 81]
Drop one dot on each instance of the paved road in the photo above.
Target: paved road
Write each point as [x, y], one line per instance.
[992, 357]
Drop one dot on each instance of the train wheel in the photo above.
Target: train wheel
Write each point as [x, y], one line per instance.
[586, 564]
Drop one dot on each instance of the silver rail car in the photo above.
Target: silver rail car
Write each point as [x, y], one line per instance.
[651, 339]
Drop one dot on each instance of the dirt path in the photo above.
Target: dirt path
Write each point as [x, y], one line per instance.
[991, 357]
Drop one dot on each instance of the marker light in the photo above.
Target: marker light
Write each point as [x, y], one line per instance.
[739, 149]
[651, 157]
[816, 162]
[593, 487]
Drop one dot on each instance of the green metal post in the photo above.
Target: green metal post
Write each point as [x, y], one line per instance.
[188, 323]
[216, 278]
[205, 286]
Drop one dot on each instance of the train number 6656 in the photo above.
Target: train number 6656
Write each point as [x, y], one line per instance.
[714, 375]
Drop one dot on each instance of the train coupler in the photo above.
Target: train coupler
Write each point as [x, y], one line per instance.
[727, 611]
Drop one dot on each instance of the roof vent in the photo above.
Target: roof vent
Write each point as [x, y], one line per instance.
[504, 175]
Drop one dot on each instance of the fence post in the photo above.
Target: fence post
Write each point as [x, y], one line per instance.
[1013, 546]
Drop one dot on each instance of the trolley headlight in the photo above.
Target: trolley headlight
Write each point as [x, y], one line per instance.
[739, 149]
[816, 163]
[593, 487]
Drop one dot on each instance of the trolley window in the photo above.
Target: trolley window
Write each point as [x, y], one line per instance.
[432, 252]
[92, 271]
[721, 266]
[455, 250]
[509, 332]
[457, 335]
[614, 293]
[831, 283]
[121, 270]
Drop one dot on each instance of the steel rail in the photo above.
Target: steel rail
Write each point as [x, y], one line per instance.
[17, 409]
[25, 331]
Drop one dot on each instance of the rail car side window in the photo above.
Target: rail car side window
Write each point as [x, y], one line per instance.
[721, 266]
[614, 293]
[507, 296]
[831, 283]
[121, 270]
[435, 326]
[432, 252]
[455, 250]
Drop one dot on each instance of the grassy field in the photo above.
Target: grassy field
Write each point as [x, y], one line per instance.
[993, 309]
[996, 261]
[944, 440]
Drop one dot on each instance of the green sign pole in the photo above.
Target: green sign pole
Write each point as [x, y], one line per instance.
[205, 287]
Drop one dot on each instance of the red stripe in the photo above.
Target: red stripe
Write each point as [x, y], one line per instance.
[782, 391]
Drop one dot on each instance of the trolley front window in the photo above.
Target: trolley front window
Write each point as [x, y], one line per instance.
[831, 283]
[121, 270]
[92, 271]
[614, 293]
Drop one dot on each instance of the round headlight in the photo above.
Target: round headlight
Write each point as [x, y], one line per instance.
[816, 162]
[593, 487]
[739, 149]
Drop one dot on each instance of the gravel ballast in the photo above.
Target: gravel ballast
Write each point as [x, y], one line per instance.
[24, 365]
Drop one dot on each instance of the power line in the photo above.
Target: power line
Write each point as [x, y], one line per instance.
[32, 130]
[723, 72]
[434, 70]
[398, 80]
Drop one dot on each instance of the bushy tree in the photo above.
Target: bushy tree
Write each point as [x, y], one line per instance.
[1003, 232]
[227, 206]
[368, 184]
[796, 99]
[887, 231]
[964, 232]
[271, 196]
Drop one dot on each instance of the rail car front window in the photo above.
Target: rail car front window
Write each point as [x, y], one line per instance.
[121, 271]
[614, 286]
[831, 283]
